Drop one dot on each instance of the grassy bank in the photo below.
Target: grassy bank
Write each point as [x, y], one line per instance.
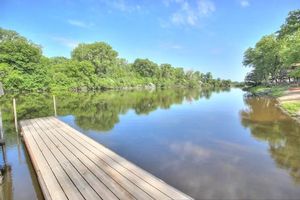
[274, 91]
[291, 107]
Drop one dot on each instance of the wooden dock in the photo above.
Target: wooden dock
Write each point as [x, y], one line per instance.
[70, 165]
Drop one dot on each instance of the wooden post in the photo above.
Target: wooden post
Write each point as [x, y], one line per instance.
[2, 142]
[1, 89]
[54, 106]
[1, 126]
[15, 114]
[3, 147]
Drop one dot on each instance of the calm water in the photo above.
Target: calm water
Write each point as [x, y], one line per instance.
[210, 145]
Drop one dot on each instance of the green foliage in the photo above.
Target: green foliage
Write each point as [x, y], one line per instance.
[291, 25]
[18, 53]
[100, 54]
[92, 66]
[21, 63]
[273, 57]
[275, 91]
[264, 58]
[145, 67]
[290, 49]
[291, 107]
[72, 74]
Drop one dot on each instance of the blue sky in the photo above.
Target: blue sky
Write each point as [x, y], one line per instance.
[204, 35]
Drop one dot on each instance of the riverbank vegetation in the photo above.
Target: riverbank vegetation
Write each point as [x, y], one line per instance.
[274, 91]
[93, 66]
[275, 59]
[292, 107]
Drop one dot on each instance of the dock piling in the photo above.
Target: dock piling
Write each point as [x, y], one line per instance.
[15, 114]
[54, 105]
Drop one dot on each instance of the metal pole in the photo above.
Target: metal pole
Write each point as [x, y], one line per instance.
[54, 106]
[15, 114]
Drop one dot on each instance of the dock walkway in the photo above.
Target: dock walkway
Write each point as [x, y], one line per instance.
[70, 165]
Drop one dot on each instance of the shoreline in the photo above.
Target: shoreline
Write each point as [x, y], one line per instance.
[288, 98]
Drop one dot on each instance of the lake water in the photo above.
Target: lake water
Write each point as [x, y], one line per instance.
[208, 144]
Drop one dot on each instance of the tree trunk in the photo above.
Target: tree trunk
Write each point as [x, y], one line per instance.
[1, 90]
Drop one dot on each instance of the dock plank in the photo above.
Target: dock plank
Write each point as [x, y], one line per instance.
[70, 165]
[49, 184]
[86, 165]
[147, 177]
[66, 183]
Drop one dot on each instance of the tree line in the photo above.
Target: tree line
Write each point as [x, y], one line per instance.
[93, 66]
[275, 59]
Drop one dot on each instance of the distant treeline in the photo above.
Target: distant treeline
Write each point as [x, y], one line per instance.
[276, 57]
[92, 66]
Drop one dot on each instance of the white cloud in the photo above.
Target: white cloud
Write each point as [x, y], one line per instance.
[189, 150]
[244, 3]
[189, 13]
[66, 42]
[206, 7]
[79, 23]
[121, 5]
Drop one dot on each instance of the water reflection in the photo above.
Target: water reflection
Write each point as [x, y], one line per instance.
[97, 111]
[209, 144]
[268, 123]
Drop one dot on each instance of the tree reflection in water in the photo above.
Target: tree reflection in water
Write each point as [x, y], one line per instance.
[94, 111]
[268, 123]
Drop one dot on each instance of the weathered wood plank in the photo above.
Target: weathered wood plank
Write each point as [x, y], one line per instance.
[84, 154]
[49, 184]
[147, 177]
[80, 183]
[68, 187]
[102, 190]
[71, 165]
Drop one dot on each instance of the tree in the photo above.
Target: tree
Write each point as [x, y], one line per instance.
[274, 54]
[100, 54]
[6, 35]
[290, 50]
[145, 67]
[166, 71]
[252, 78]
[291, 25]
[92, 66]
[208, 77]
[21, 62]
[264, 59]
[72, 74]
[19, 53]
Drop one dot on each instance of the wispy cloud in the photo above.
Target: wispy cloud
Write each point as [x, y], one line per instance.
[173, 46]
[206, 7]
[66, 42]
[244, 3]
[124, 6]
[120, 5]
[189, 13]
[79, 23]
